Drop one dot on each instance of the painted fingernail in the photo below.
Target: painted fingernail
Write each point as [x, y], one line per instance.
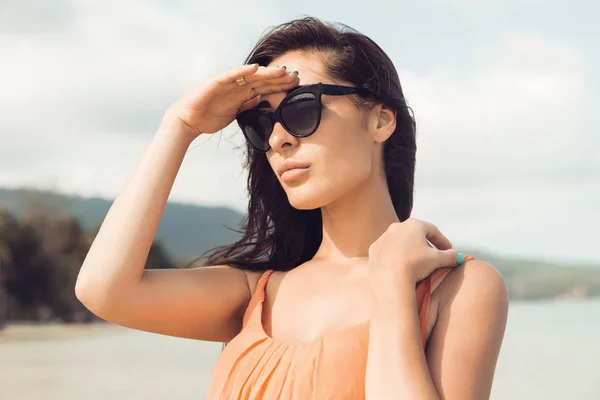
[291, 71]
[281, 66]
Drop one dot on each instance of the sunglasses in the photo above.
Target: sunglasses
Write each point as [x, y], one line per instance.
[299, 113]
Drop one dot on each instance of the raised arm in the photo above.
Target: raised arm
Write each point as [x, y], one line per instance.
[203, 303]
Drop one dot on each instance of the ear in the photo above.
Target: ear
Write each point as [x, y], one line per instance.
[383, 122]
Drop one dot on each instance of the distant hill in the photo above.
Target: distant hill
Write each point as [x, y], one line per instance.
[188, 230]
[533, 279]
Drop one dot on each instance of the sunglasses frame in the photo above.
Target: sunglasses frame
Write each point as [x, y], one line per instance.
[317, 89]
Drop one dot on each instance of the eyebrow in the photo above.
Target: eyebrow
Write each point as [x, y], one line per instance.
[266, 104]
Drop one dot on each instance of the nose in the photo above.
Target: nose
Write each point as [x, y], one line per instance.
[280, 138]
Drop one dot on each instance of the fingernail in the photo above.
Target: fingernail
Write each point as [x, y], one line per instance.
[282, 66]
[291, 71]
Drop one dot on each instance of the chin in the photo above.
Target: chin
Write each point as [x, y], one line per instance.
[307, 197]
[302, 201]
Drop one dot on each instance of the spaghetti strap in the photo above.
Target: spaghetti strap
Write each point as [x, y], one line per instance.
[424, 296]
[423, 302]
[333, 366]
[258, 295]
[438, 273]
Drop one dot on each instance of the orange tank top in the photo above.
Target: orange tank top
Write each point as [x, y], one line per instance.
[256, 366]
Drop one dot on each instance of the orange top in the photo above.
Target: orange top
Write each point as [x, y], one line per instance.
[256, 366]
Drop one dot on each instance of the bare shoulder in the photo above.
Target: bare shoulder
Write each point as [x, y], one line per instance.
[475, 279]
[464, 345]
[465, 342]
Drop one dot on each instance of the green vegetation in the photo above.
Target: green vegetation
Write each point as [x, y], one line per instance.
[532, 279]
[185, 230]
[40, 256]
[44, 238]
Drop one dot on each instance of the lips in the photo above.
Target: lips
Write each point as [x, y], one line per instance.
[290, 164]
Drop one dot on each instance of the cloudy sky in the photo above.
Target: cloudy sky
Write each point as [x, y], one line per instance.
[506, 95]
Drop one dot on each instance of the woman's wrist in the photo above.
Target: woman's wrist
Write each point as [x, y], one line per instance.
[172, 125]
[390, 288]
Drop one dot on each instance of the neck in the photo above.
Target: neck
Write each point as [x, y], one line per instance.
[354, 221]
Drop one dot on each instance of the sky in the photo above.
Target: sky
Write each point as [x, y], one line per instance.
[505, 94]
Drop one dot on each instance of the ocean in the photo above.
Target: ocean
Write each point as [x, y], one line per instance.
[550, 351]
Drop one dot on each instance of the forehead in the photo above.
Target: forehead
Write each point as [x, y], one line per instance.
[308, 65]
[310, 70]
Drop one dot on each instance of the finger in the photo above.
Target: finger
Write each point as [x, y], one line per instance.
[234, 73]
[257, 75]
[251, 99]
[286, 78]
[265, 74]
[433, 234]
[249, 104]
[450, 258]
[276, 87]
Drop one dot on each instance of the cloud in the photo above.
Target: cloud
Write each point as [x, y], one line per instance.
[546, 220]
[477, 8]
[508, 157]
[114, 63]
[35, 18]
[80, 105]
[515, 116]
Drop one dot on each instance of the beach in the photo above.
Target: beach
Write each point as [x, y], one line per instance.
[550, 351]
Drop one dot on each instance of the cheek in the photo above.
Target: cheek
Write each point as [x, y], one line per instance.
[339, 168]
[346, 165]
[341, 162]
[345, 151]
[348, 149]
[330, 179]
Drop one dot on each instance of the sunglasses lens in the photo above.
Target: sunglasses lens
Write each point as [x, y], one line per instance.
[257, 127]
[300, 114]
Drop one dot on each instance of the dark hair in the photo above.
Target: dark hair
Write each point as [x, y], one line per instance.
[275, 234]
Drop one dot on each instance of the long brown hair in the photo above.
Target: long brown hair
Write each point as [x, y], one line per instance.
[275, 234]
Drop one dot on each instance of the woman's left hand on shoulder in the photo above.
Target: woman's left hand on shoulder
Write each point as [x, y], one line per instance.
[401, 254]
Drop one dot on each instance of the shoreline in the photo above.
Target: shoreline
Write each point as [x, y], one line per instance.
[31, 331]
[27, 331]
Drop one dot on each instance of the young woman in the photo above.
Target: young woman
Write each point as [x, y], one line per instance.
[333, 292]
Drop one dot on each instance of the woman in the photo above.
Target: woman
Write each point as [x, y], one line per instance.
[318, 299]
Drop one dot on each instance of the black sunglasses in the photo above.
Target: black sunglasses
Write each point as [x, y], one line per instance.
[299, 113]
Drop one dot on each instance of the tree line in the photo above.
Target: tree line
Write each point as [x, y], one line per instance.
[40, 257]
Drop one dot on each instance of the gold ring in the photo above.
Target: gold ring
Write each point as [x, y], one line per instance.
[241, 81]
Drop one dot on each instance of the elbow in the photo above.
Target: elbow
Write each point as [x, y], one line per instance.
[92, 295]
[81, 291]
